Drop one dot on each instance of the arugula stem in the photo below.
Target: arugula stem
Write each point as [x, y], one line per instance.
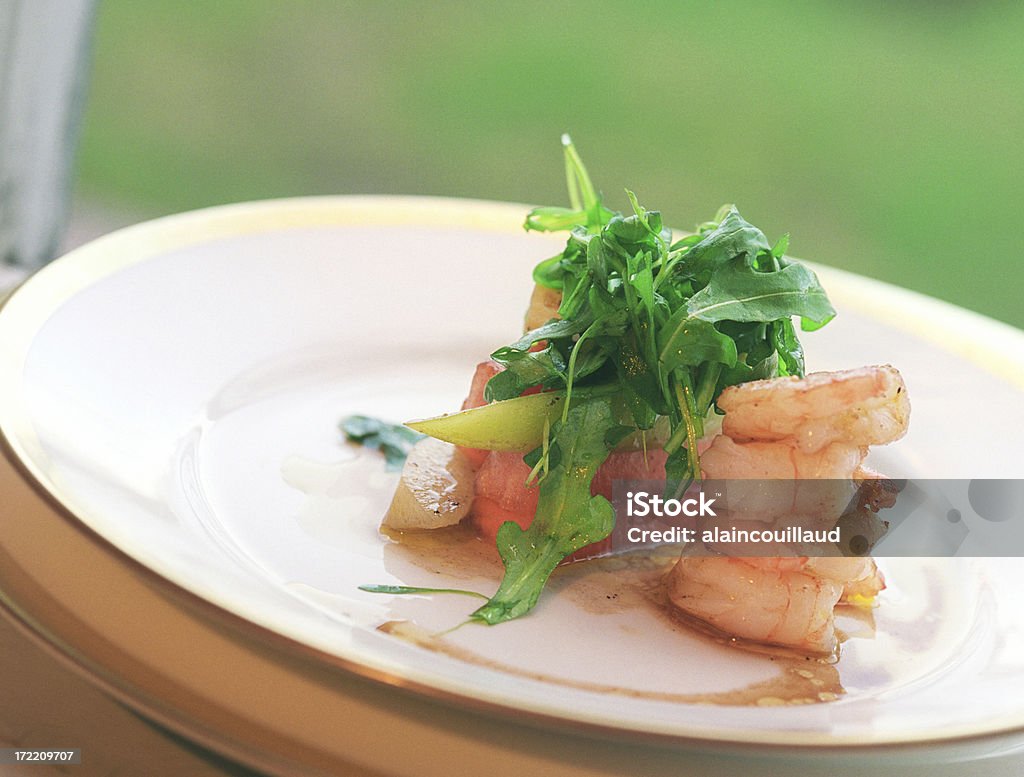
[540, 469]
[706, 386]
[580, 177]
[571, 369]
[570, 177]
[641, 213]
[668, 265]
[416, 590]
[684, 395]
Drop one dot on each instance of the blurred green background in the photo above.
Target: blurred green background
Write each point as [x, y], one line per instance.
[887, 138]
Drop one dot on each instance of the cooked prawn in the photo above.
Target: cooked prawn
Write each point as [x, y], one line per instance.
[779, 601]
[811, 428]
[726, 458]
[745, 598]
[865, 406]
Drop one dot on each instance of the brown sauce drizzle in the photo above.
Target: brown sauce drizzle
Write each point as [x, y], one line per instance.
[800, 680]
[607, 586]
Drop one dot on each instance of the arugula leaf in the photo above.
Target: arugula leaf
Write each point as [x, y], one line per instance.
[639, 384]
[393, 440]
[690, 341]
[731, 238]
[559, 328]
[554, 219]
[568, 517]
[738, 292]
[523, 370]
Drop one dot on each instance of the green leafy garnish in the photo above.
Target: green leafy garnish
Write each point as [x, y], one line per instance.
[671, 324]
[393, 440]
[649, 328]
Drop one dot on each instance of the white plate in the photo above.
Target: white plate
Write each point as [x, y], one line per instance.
[176, 387]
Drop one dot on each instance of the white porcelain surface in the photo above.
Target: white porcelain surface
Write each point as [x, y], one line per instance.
[184, 402]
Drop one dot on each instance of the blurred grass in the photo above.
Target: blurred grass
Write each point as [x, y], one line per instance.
[886, 137]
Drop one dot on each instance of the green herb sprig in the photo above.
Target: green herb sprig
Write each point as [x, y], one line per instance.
[393, 440]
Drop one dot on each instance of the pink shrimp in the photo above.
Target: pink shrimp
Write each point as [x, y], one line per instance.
[865, 406]
[743, 598]
[813, 428]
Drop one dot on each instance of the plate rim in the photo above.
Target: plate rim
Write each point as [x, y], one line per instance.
[90, 263]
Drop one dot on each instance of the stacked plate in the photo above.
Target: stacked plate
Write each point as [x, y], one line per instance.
[184, 523]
